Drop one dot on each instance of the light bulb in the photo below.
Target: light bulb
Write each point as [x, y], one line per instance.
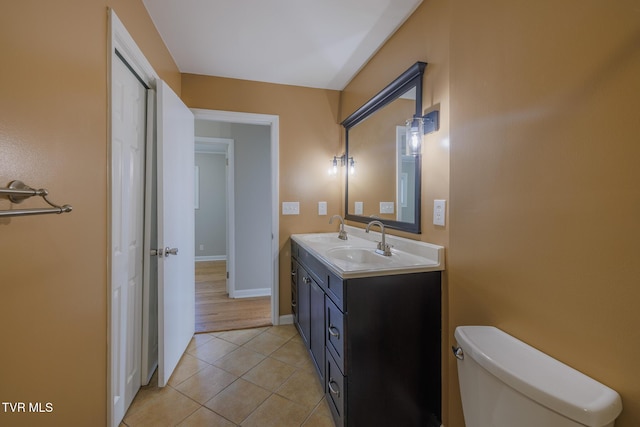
[414, 140]
[333, 170]
[414, 134]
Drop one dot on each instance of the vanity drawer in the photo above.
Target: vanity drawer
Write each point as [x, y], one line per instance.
[334, 323]
[314, 266]
[335, 390]
[335, 290]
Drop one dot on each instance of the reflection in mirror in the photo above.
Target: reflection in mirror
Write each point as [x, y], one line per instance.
[386, 182]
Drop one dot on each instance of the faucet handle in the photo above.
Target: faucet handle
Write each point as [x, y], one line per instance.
[384, 249]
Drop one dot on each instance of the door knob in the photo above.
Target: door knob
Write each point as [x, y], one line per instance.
[170, 251]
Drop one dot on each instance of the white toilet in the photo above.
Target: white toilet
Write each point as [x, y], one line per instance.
[507, 383]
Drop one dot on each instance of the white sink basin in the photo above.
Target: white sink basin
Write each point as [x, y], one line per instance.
[358, 256]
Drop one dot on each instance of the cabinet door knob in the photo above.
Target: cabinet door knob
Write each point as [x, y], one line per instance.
[306, 280]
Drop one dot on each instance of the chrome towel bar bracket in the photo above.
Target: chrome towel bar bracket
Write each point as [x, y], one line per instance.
[18, 191]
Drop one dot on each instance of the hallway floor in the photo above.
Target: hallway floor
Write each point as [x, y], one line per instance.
[215, 311]
[252, 377]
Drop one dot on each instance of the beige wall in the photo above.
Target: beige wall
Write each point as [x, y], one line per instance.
[309, 138]
[53, 269]
[544, 195]
[545, 183]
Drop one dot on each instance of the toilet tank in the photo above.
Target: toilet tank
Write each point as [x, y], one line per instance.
[505, 383]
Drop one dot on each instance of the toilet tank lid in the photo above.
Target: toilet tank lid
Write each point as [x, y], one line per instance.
[540, 377]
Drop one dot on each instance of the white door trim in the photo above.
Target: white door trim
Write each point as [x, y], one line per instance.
[121, 41]
[273, 122]
[231, 238]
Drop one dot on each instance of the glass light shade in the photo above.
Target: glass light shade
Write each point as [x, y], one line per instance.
[414, 134]
[333, 170]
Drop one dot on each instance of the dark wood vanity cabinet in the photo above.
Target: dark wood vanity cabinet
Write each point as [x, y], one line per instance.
[380, 341]
[309, 314]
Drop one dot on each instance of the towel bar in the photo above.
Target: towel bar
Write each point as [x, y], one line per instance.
[18, 191]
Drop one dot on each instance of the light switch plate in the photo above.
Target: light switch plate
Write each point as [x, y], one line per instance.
[439, 210]
[386, 207]
[290, 208]
[359, 208]
[322, 208]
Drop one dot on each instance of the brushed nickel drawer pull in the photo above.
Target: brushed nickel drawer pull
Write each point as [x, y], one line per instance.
[334, 332]
[331, 389]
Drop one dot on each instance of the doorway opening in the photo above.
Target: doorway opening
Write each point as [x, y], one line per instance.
[245, 245]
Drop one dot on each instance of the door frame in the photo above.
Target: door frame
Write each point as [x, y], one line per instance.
[273, 121]
[120, 41]
[230, 190]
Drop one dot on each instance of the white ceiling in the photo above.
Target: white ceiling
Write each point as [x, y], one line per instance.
[313, 43]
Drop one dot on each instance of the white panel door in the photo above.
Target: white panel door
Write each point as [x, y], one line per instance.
[127, 205]
[176, 270]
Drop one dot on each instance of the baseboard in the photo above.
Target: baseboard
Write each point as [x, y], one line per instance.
[248, 293]
[287, 319]
[211, 258]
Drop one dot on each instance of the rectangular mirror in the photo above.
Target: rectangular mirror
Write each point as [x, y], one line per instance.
[384, 182]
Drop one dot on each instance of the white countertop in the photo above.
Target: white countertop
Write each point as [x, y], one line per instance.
[356, 256]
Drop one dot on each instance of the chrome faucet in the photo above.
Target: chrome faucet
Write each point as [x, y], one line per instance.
[342, 235]
[383, 247]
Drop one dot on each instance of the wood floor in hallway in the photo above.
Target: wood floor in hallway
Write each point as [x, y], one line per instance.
[216, 312]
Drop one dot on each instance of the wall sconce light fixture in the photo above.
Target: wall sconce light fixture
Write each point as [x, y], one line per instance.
[419, 126]
[342, 161]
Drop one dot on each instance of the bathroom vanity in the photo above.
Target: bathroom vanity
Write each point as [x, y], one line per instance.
[372, 325]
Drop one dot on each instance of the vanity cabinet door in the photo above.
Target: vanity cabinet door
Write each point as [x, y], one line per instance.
[294, 291]
[317, 328]
[304, 300]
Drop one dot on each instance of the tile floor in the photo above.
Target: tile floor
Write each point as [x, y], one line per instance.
[253, 377]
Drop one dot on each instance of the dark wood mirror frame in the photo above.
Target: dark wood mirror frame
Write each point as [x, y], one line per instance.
[412, 78]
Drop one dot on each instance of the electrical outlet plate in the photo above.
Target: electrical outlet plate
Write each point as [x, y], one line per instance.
[290, 208]
[322, 208]
[439, 209]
